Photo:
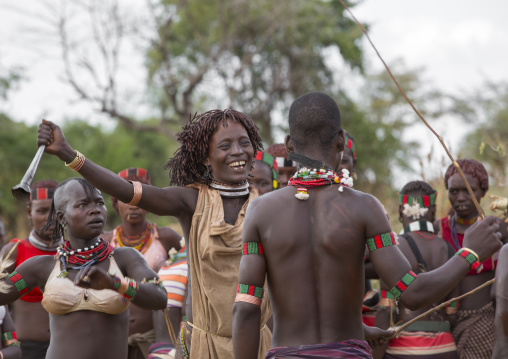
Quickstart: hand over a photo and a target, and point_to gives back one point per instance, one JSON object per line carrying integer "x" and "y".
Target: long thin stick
{"x": 442, "y": 305}
{"x": 477, "y": 205}
{"x": 10, "y": 252}
{"x": 170, "y": 327}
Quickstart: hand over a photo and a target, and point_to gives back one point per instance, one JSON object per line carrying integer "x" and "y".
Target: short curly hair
{"x": 187, "y": 164}
{"x": 472, "y": 168}
{"x": 417, "y": 186}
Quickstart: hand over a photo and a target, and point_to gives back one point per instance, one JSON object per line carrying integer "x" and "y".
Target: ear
{"x": 289, "y": 144}
{"x": 60, "y": 217}
{"x": 341, "y": 142}
{"x": 29, "y": 211}
{"x": 401, "y": 216}
{"x": 354, "y": 165}
{"x": 114, "y": 203}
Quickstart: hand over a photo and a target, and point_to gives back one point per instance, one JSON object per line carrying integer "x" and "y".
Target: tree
{"x": 486, "y": 109}
{"x": 200, "y": 55}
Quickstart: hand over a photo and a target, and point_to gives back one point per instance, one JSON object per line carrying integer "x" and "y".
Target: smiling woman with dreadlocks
{"x": 209, "y": 198}
{"x": 90, "y": 285}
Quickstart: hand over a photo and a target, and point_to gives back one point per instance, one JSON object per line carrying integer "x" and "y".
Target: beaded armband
{"x": 250, "y": 294}
{"x": 387, "y": 301}
{"x": 10, "y": 338}
{"x": 402, "y": 285}
{"x": 470, "y": 257}
{"x": 380, "y": 241}
{"x": 253, "y": 248}
{"x": 452, "y": 308}
{"x": 19, "y": 283}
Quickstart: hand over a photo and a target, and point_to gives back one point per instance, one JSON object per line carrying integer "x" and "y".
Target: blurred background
{"x": 122, "y": 77}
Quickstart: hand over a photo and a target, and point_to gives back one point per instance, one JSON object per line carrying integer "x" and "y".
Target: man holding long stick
{"x": 313, "y": 255}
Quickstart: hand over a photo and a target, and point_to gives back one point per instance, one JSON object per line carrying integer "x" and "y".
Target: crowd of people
{"x": 274, "y": 262}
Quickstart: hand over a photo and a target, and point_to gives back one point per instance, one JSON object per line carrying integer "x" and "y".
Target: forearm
{"x": 150, "y": 296}
{"x": 11, "y": 352}
{"x": 435, "y": 284}
{"x": 246, "y": 331}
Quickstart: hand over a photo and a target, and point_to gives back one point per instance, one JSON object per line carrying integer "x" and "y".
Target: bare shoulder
{"x": 166, "y": 232}
{"x": 503, "y": 253}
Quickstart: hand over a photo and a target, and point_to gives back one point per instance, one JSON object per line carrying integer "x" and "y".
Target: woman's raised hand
{"x": 53, "y": 138}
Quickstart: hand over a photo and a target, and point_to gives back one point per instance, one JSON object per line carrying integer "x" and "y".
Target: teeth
{"x": 236, "y": 164}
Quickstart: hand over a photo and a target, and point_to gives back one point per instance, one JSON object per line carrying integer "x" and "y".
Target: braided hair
{"x": 187, "y": 165}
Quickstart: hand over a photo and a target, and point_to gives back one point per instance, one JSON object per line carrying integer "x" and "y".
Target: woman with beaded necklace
{"x": 209, "y": 200}
{"x": 153, "y": 243}
{"x": 89, "y": 287}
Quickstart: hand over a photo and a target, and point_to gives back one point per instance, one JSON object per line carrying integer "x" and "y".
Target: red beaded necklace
{"x": 82, "y": 258}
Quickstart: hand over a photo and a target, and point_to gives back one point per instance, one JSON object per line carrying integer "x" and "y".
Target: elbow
{"x": 413, "y": 301}
{"x": 245, "y": 312}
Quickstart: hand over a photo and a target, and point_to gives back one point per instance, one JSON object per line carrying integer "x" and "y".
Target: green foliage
{"x": 486, "y": 109}
{"x": 255, "y": 55}
{"x": 116, "y": 150}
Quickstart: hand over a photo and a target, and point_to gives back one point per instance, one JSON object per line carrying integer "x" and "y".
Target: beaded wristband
{"x": 10, "y": 338}
{"x": 77, "y": 162}
{"x": 470, "y": 256}
{"x": 138, "y": 192}
{"x": 387, "y": 300}
{"x": 452, "y": 308}
{"x": 253, "y": 248}
{"x": 19, "y": 283}
{"x": 126, "y": 286}
{"x": 380, "y": 241}
{"x": 184, "y": 348}
{"x": 402, "y": 285}
{"x": 249, "y": 294}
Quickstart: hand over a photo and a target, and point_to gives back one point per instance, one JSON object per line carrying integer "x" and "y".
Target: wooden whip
{"x": 477, "y": 205}
{"x": 10, "y": 252}
{"x": 435, "y": 309}
{"x": 171, "y": 330}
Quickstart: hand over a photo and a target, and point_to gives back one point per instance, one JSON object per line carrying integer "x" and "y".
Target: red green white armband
{"x": 471, "y": 257}
{"x": 253, "y": 248}
{"x": 381, "y": 240}
{"x": 19, "y": 283}
{"x": 249, "y": 294}
{"x": 403, "y": 284}
{"x": 126, "y": 286}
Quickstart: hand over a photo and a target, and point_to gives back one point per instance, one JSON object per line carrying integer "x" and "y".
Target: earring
{"x": 64, "y": 225}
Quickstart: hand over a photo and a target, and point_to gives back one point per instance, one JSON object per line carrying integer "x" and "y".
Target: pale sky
{"x": 459, "y": 43}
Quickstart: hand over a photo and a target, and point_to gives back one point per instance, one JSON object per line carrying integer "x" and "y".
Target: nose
{"x": 463, "y": 196}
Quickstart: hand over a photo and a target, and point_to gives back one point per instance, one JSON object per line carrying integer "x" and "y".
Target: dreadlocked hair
{"x": 58, "y": 232}
{"x": 472, "y": 168}
{"x": 421, "y": 187}
{"x": 187, "y": 165}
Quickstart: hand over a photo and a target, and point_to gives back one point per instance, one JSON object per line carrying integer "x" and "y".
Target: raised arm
{"x": 501, "y": 318}
{"x": 171, "y": 201}
{"x": 247, "y": 307}
{"x": 483, "y": 239}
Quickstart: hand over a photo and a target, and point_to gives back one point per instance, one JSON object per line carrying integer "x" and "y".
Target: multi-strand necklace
{"x": 306, "y": 178}
{"x": 141, "y": 242}
{"x": 229, "y": 190}
{"x": 465, "y": 222}
{"x": 82, "y": 258}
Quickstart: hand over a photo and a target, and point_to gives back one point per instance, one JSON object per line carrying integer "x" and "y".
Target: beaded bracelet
{"x": 77, "y": 162}
{"x": 470, "y": 256}
{"x": 126, "y": 286}
{"x": 387, "y": 300}
{"x": 184, "y": 348}
{"x": 138, "y": 192}
{"x": 452, "y": 308}
{"x": 9, "y": 339}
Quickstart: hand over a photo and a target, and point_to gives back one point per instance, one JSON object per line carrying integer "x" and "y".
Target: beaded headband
{"x": 351, "y": 145}
{"x": 41, "y": 193}
{"x": 136, "y": 172}
{"x": 270, "y": 161}
{"x": 423, "y": 201}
